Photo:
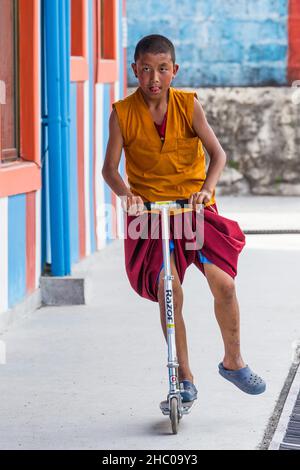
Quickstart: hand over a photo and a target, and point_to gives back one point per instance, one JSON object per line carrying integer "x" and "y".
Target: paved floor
{"x": 92, "y": 376}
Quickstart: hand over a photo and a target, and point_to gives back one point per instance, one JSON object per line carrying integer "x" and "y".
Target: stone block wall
{"x": 218, "y": 43}
{"x": 259, "y": 129}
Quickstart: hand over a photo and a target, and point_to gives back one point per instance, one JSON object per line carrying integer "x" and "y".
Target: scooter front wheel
{"x": 174, "y": 415}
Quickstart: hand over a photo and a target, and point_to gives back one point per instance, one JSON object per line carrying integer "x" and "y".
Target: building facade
{"x": 62, "y": 66}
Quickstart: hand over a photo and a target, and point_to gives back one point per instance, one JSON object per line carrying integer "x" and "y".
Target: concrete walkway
{"x": 92, "y": 376}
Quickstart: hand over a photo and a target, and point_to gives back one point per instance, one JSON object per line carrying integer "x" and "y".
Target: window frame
{"x": 12, "y": 153}
{"x": 79, "y": 64}
{"x": 106, "y": 69}
{"x": 24, "y": 175}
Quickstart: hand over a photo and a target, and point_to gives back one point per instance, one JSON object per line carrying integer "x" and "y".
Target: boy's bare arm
{"x": 131, "y": 203}
{"x": 214, "y": 149}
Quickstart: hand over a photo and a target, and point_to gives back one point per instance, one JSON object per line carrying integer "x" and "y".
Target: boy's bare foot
{"x": 187, "y": 376}
{"x": 233, "y": 364}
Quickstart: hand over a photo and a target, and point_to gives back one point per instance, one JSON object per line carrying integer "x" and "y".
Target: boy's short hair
{"x": 155, "y": 44}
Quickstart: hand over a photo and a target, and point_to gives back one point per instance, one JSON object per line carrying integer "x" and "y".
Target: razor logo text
{"x": 169, "y": 305}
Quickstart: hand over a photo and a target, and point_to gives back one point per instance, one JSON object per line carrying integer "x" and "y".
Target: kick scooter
{"x": 173, "y": 406}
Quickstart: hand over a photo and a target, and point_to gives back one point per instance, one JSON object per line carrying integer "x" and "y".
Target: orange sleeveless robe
{"x": 156, "y": 170}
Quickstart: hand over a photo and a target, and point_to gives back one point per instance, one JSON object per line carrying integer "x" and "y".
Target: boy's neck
{"x": 158, "y": 102}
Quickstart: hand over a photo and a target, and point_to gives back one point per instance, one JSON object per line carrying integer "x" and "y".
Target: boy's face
{"x": 155, "y": 73}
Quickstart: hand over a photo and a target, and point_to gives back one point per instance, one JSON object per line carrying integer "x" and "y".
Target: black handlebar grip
{"x": 180, "y": 202}
{"x": 147, "y": 205}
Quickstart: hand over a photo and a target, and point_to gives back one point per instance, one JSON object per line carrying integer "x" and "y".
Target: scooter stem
{"x": 169, "y": 304}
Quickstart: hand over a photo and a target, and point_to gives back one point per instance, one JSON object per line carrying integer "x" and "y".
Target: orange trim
{"x": 107, "y": 71}
{"x": 0, "y": 133}
{"x": 19, "y": 177}
{"x": 294, "y": 41}
{"x": 107, "y": 66}
{"x": 79, "y": 69}
{"x": 79, "y": 63}
{"x": 29, "y": 79}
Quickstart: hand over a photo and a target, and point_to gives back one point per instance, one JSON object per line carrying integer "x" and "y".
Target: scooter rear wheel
{"x": 174, "y": 415}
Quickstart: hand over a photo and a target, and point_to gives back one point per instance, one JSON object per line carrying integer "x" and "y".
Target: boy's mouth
{"x": 154, "y": 89}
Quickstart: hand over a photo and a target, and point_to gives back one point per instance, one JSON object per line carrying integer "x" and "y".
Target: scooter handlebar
{"x": 178, "y": 202}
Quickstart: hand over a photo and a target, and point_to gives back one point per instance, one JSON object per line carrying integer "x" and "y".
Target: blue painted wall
{"x": 218, "y": 43}
{"x": 16, "y": 249}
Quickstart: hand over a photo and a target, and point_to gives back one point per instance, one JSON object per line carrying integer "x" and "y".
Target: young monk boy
{"x": 163, "y": 131}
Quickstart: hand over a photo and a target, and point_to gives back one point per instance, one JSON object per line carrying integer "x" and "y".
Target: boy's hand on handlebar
{"x": 201, "y": 197}
{"x": 133, "y": 205}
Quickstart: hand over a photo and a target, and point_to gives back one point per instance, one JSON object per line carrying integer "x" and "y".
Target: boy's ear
{"x": 175, "y": 69}
{"x": 133, "y": 66}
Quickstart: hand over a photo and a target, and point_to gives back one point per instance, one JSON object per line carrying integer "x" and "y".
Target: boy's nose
{"x": 154, "y": 77}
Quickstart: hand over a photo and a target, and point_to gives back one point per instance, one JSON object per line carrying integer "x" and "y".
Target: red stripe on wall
{"x": 29, "y": 23}
{"x": 125, "y": 54}
{"x": 30, "y": 241}
{"x": 114, "y": 220}
{"x": 294, "y": 41}
{"x": 80, "y": 162}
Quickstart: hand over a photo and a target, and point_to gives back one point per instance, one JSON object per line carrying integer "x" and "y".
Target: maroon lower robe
{"x": 223, "y": 241}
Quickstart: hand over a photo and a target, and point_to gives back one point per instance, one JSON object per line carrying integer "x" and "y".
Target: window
{"x": 79, "y": 64}
{"x": 9, "y": 115}
{"x": 107, "y": 69}
{"x": 20, "y": 115}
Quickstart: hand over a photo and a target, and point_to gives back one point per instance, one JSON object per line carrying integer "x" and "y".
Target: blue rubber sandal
{"x": 188, "y": 391}
{"x": 245, "y": 379}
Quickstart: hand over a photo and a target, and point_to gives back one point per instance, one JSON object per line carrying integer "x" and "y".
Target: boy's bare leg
{"x": 227, "y": 314}
{"x": 184, "y": 371}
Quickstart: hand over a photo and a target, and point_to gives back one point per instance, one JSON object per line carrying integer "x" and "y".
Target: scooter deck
{"x": 186, "y": 407}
